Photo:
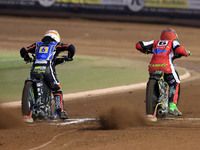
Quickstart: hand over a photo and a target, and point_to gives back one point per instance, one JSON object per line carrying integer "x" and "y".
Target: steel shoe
{"x": 151, "y": 118}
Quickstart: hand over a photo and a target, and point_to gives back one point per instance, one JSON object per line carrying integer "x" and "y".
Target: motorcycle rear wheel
{"x": 27, "y": 98}
{"x": 152, "y": 94}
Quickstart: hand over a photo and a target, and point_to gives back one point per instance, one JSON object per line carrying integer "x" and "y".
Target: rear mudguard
{"x": 31, "y": 79}
{"x": 157, "y": 75}
{"x": 34, "y": 81}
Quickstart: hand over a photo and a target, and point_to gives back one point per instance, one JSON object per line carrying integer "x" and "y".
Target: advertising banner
{"x": 194, "y": 4}
{"x": 189, "y": 8}
{"x": 18, "y": 2}
{"x": 167, "y": 3}
{"x": 92, "y": 2}
{"x": 112, "y": 2}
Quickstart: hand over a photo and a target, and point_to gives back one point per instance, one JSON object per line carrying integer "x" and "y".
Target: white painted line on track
{"x": 74, "y": 121}
{"x": 14, "y": 104}
{"x": 182, "y": 119}
{"x": 105, "y": 91}
{"x": 113, "y": 90}
{"x": 99, "y": 92}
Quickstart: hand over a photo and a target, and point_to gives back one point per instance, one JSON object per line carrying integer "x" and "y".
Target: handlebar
{"x": 29, "y": 59}
{"x": 176, "y": 56}
{"x": 148, "y": 51}
{"x": 66, "y": 58}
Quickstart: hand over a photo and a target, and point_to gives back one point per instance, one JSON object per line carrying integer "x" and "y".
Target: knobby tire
{"x": 152, "y": 94}
{"x": 27, "y": 98}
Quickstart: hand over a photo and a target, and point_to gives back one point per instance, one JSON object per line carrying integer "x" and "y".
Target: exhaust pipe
{"x": 162, "y": 112}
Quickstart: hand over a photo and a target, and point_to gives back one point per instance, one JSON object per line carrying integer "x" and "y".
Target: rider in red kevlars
{"x": 164, "y": 51}
{"x": 46, "y": 52}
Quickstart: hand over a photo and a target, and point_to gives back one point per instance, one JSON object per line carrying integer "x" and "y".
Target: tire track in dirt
{"x": 52, "y": 140}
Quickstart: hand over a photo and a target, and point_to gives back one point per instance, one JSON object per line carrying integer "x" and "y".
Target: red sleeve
{"x": 138, "y": 46}
{"x": 181, "y": 50}
{"x": 145, "y": 46}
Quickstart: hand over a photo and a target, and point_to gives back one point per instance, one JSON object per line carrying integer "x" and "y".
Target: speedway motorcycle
{"x": 157, "y": 95}
{"x": 37, "y": 98}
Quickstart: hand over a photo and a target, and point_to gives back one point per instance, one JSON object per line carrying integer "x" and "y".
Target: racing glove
{"x": 27, "y": 58}
{"x": 67, "y": 58}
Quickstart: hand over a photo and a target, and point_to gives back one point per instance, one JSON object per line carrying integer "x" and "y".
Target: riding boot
{"x": 62, "y": 114}
{"x": 173, "y": 110}
{"x": 59, "y": 104}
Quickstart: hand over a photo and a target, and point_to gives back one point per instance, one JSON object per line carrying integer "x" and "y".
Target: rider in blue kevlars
{"x": 46, "y": 52}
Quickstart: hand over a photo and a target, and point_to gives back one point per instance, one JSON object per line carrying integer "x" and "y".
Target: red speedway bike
{"x": 157, "y": 90}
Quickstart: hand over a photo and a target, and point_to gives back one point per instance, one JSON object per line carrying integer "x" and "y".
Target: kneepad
{"x": 55, "y": 87}
{"x": 169, "y": 78}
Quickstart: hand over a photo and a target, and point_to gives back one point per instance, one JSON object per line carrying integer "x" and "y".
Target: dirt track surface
{"x": 124, "y": 126}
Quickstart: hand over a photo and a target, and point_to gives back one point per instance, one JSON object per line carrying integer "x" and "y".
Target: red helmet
{"x": 169, "y": 34}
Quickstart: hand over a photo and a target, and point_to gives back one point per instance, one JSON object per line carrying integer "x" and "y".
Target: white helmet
{"x": 53, "y": 34}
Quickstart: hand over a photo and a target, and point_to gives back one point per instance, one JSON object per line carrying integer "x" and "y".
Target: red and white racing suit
{"x": 163, "y": 52}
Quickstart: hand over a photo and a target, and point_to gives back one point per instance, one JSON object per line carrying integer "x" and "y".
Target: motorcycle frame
{"x": 38, "y": 96}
